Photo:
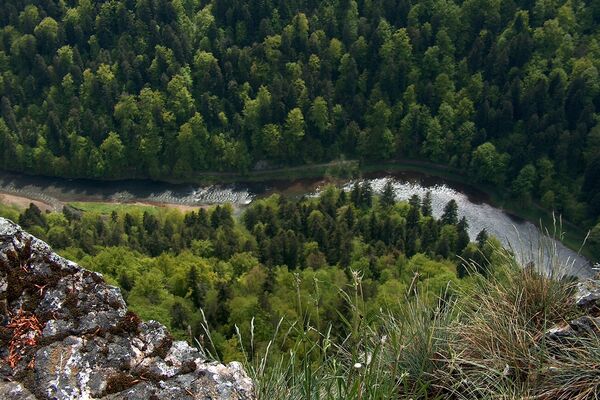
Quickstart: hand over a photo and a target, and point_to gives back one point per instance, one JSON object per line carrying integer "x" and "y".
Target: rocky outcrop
{"x": 66, "y": 334}
{"x": 588, "y": 294}
{"x": 587, "y": 298}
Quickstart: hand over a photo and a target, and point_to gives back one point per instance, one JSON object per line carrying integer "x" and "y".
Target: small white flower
{"x": 358, "y": 365}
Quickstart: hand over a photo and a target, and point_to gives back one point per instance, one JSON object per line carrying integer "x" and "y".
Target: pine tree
{"x": 450, "y": 216}
{"x": 482, "y": 238}
{"x": 197, "y": 290}
{"x": 463, "y": 235}
{"x": 388, "y": 197}
{"x": 426, "y": 208}
{"x": 366, "y": 195}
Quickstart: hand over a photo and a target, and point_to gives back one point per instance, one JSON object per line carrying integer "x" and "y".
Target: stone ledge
{"x": 89, "y": 346}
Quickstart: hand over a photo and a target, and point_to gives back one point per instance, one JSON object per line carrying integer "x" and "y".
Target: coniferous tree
{"x": 388, "y": 197}
{"x": 282, "y": 86}
{"x": 463, "y": 235}
{"x": 426, "y": 207}
{"x": 450, "y": 215}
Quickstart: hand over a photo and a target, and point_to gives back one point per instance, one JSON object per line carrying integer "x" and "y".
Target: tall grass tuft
{"x": 498, "y": 345}
{"x": 573, "y": 371}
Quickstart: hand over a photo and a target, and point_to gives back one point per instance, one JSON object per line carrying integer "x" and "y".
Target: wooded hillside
{"x": 507, "y": 91}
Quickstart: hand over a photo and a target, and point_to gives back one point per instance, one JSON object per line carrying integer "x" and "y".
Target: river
{"x": 523, "y": 237}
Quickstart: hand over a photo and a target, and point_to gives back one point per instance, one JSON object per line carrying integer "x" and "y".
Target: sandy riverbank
{"x": 23, "y": 202}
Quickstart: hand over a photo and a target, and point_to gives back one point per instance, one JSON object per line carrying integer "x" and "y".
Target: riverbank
{"x": 102, "y": 207}
{"x": 19, "y": 203}
{"x": 567, "y": 232}
{"x": 571, "y": 235}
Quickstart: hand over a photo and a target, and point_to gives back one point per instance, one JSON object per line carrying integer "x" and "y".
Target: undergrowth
{"x": 484, "y": 340}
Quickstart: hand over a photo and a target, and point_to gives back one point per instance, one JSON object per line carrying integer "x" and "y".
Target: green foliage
{"x": 486, "y": 338}
{"x": 87, "y": 90}
{"x": 283, "y": 259}
{"x": 10, "y": 212}
{"x": 487, "y": 165}
{"x": 107, "y": 208}
{"x": 524, "y": 184}
{"x": 345, "y": 295}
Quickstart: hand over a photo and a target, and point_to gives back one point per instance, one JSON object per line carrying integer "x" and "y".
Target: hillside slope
{"x": 507, "y": 91}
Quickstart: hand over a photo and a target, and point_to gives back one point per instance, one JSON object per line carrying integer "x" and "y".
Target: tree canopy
{"x": 292, "y": 259}
{"x": 164, "y": 89}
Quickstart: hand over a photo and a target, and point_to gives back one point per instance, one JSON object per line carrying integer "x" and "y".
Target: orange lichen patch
{"x": 26, "y": 331}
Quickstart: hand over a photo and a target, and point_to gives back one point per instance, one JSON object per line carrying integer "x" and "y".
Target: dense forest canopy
{"x": 297, "y": 260}
{"x": 507, "y": 91}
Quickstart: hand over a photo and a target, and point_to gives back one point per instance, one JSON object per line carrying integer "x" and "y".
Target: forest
{"x": 294, "y": 259}
{"x": 507, "y": 91}
{"x": 345, "y": 295}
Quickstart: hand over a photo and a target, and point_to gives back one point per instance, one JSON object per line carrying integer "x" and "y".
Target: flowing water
{"x": 523, "y": 237}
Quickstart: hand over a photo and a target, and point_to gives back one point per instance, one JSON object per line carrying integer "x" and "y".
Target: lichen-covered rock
{"x": 65, "y": 334}
{"x": 14, "y": 391}
{"x": 587, "y": 298}
{"x": 588, "y": 293}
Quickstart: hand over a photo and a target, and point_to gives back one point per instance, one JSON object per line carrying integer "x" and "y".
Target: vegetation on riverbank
{"x": 281, "y": 259}
{"x": 577, "y": 238}
{"x": 108, "y": 208}
{"x": 345, "y": 296}
{"x": 505, "y": 92}
{"x": 570, "y": 234}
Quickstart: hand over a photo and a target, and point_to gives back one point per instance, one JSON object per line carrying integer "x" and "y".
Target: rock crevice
{"x": 66, "y": 334}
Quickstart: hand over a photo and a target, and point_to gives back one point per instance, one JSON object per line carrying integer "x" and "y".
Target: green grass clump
{"x": 107, "y": 208}
{"x": 10, "y": 211}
